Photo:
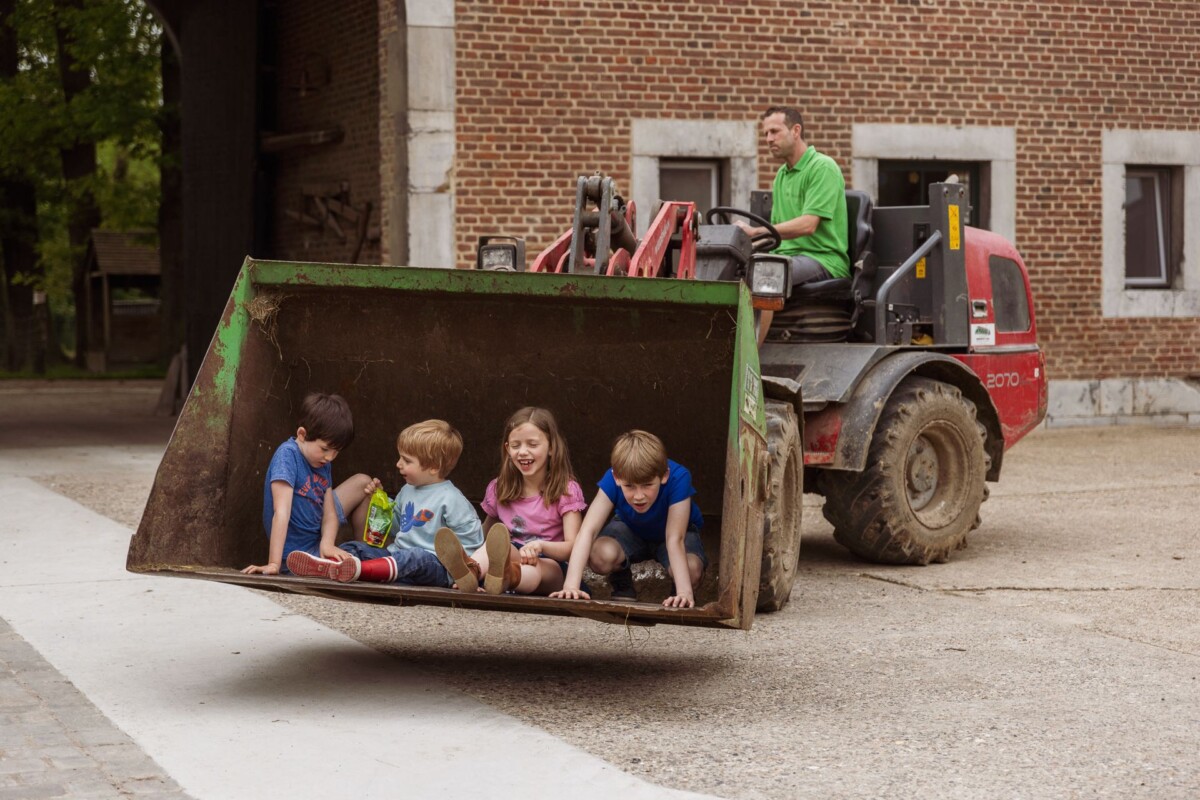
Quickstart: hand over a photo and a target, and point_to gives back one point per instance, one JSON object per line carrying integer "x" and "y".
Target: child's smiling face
{"x": 528, "y": 449}
{"x": 641, "y": 495}
{"x": 414, "y": 473}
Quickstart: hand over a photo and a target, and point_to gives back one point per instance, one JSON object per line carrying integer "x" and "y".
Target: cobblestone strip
{"x": 55, "y": 743}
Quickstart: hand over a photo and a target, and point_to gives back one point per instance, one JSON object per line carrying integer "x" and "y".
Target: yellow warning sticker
{"x": 955, "y": 229}
{"x": 921, "y": 268}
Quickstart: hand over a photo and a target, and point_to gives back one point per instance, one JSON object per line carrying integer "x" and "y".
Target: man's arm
{"x": 804, "y": 225}
{"x": 597, "y": 515}
{"x": 677, "y": 520}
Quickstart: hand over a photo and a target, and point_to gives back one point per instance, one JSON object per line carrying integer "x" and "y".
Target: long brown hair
{"x": 510, "y": 483}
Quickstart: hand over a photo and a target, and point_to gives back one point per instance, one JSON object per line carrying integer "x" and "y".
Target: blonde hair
{"x": 434, "y": 442}
{"x": 510, "y": 483}
{"x": 639, "y": 457}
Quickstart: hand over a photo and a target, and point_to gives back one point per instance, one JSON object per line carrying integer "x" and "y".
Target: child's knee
{"x": 606, "y": 555}
{"x": 359, "y": 481}
{"x": 353, "y": 491}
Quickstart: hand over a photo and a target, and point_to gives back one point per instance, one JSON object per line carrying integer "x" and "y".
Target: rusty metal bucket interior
{"x": 403, "y": 344}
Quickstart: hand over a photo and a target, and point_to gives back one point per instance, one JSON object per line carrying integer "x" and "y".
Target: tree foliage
{"x": 114, "y": 44}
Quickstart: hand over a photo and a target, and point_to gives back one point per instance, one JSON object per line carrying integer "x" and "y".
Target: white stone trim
{"x": 1166, "y": 148}
{"x": 1123, "y": 401}
{"x": 653, "y": 139}
{"x": 430, "y": 13}
{"x": 430, "y": 139}
{"x": 871, "y": 142}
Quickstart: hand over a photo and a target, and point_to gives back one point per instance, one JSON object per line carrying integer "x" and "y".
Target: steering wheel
{"x": 764, "y": 242}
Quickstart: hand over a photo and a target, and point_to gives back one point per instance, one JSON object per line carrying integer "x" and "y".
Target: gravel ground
{"x": 1057, "y": 656}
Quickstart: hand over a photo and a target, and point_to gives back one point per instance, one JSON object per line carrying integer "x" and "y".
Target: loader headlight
{"x": 770, "y": 280}
{"x": 500, "y": 253}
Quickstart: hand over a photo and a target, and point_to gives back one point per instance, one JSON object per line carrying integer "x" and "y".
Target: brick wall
{"x": 546, "y": 92}
{"x": 390, "y": 28}
{"x": 339, "y": 40}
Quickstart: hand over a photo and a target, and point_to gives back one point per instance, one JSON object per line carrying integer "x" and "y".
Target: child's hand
{"x": 571, "y": 594}
{"x": 333, "y": 553}
{"x": 268, "y": 569}
{"x": 371, "y": 486}
{"x": 531, "y": 552}
{"x": 679, "y": 601}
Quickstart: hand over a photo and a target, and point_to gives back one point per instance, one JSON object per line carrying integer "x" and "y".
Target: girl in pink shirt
{"x": 534, "y": 509}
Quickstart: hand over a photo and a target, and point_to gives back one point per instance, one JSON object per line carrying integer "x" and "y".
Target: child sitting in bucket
{"x": 295, "y": 514}
{"x": 534, "y": 509}
{"x": 428, "y": 502}
{"x": 653, "y": 517}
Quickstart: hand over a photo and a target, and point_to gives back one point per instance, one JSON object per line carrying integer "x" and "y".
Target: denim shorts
{"x": 638, "y": 549}
{"x": 315, "y": 548}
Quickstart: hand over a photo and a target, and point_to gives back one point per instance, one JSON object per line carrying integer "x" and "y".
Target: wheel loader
{"x": 895, "y": 394}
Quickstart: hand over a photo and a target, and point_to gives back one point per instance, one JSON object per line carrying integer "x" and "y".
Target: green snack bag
{"x": 379, "y": 519}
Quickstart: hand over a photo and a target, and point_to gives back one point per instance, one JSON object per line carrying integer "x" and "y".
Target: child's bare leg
{"x": 481, "y": 558}
{"x": 607, "y": 556}
{"x": 352, "y": 494}
{"x": 550, "y": 578}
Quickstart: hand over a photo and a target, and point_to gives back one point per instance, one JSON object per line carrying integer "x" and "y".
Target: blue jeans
{"x": 638, "y": 549}
{"x": 414, "y": 566}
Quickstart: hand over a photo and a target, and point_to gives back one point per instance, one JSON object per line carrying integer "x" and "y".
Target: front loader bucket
{"x": 404, "y": 344}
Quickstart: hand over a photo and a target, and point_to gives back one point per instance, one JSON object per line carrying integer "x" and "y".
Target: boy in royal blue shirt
{"x": 653, "y": 517}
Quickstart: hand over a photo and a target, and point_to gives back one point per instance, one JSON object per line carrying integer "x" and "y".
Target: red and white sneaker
{"x": 308, "y": 566}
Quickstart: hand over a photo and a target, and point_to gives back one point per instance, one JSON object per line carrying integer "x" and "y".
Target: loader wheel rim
{"x": 922, "y": 474}
{"x": 936, "y": 457}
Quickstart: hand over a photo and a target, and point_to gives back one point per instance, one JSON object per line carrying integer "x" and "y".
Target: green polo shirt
{"x": 814, "y": 186}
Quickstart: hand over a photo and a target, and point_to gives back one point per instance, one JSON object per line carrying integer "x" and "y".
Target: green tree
{"x": 21, "y": 125}
{"x": 79, "y": 122}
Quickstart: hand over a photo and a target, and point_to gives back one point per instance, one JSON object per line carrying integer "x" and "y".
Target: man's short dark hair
{"x": 791, "y": 116}
{"x": 327, "y": 416}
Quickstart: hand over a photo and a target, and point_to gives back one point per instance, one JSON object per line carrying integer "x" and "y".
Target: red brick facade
{"x": 547, "y": 90}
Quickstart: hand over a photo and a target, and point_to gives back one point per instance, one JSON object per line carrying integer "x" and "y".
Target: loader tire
{"x": 923, "y": 484}
{"x": 784, "y": 507}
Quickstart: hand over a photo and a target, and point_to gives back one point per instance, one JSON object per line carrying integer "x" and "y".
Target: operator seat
{"x": 825, "y": 311}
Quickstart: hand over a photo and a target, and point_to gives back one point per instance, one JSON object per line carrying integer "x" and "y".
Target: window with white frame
{"x": 1151, "y": 202}
{"x": 700, "y": 181}
{"x": 906, "y": 183}
{"x": 890, "y": 158}
{"x": 680, "y": 148}
{"x": 1152, "y": 243}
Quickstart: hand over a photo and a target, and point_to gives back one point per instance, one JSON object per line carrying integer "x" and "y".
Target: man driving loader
{"x": 808, "y": 206}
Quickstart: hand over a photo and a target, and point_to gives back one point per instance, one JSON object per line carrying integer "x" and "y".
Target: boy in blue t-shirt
{"x": 295, "y": 514}
{"x": 654, "y": 518}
